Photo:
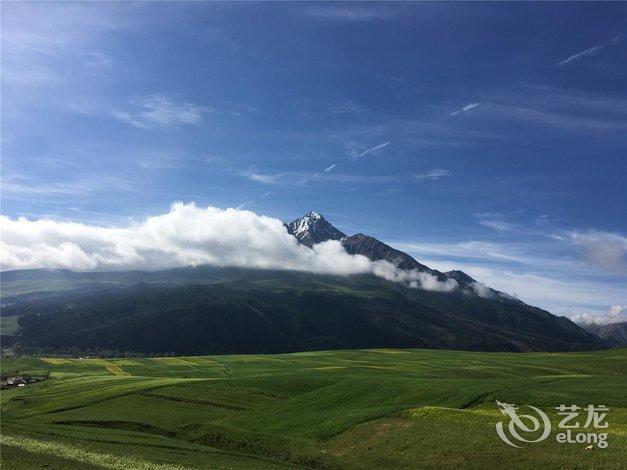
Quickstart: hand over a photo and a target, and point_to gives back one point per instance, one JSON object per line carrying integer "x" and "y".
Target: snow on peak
{"x": 302, "y": 227}
{"x": 312, "y": 228}
{"x": 305, "y": 223}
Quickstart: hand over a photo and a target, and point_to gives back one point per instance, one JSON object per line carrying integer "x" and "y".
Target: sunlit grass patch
{"x": 80, "y": 455}
{"x": 56, "y": 361}
{"x": 116, "y": 370}
{"x": 173, "y": 361}
{"x": 126, "y": 362}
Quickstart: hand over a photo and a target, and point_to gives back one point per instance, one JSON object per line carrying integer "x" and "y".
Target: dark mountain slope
{"x": 460, "y": 276}
{"x": 280, "y": 312}
{"x": 375, "y": 250}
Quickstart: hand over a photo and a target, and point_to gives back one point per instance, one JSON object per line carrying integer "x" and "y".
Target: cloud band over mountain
{"x": 188, "y": 235}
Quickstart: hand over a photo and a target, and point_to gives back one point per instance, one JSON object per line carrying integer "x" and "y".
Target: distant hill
{"x": 614, "y": 333}
{"x": 210, "y": 310}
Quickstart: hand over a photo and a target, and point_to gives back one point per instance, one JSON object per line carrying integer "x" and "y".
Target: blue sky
{"x": 490, "y": 137}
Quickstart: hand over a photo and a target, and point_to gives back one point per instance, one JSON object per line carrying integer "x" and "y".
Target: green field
{"x": 340, "y": 409}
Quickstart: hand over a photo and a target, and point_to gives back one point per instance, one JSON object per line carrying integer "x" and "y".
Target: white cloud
{"x": 555, "y": 292}
{"x": 481, "y": 290}
{"x": 543, "y": 273}
{"x": 616, "y": 311}
{"x": 329, "y": 168}
{"x": 187, "y": 236}
{"x": 465, "y": 109}
{"x": 161, "y": 111}
{"x": 615, "y": 314}
{"x": 433, "y": 174}
{"x": 601, "y": 249}
{"x": 429, "y": 282}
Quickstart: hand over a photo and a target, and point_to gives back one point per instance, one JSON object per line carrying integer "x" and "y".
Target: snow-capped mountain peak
{"x": 313, "y": 228}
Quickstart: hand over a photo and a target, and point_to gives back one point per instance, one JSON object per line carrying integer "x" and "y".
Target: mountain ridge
{"x": 208, "y": 309}
{"x": 613, "y": 333}
{"x": 314, "y": 226}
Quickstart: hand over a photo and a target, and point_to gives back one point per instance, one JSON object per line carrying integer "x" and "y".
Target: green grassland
{"x": 341, "y": 409}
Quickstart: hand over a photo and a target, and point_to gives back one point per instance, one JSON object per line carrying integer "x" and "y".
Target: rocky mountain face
{"x": 375, "y": 250}
{"x": 613, "y": 333}
{"x": 314, "y": 228}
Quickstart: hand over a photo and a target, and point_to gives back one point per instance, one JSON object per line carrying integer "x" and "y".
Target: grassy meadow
{"x": 340, "y": 409}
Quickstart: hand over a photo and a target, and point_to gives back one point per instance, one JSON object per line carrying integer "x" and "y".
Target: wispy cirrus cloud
{"x": 263, "y": 178}
{"x": 433, "y": 174}
{"x": 29, "y": 188}
{"x": 495, "y": 221}
{"x": 329, "y": 168}
{"x": 464, "y": 109}
{"x": 587, "y": 53}
{"x": 496, "y": 224}
{"x": 471, "y": 250}
{"x": 557, "y": 118}
{"x": 560, "y": 108}
{"x": 97, "y": 59}
{"x": 300, "y": 178}
{"x": 243, "y": 204}
{"x": 52, "y": 45}
{"x": 354, "y": 13}
{"x": 161, "y": 111}
{"x": 355, "y": 153}
{"x": 162, "y": 164}
{"x": 347, "y": 107}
